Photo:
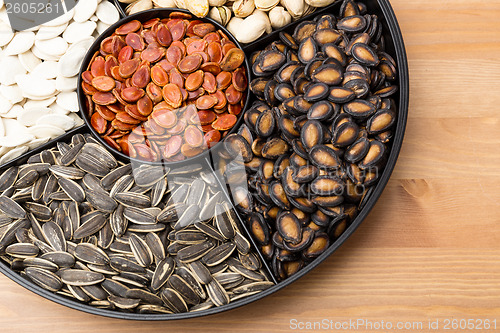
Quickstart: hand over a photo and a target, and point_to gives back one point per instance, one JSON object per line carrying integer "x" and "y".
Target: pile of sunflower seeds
{"x": 144, "y": 238}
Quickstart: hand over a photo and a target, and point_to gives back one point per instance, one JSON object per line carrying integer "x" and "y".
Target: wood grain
{"x": 430, "y": 248}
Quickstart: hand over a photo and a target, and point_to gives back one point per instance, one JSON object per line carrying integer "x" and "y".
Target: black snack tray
{"x": 394, "y": 46}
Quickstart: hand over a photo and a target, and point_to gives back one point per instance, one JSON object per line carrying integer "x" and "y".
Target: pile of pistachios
{"x": 247, "y": 20}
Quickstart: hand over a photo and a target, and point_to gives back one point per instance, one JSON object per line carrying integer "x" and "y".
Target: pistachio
{"x": 199, "y": 8}
{"x": 319, "y": 3}
{"x": 279, "y": 17}
{"x": 180, "y": 4}
{"x": 243, "y": 8}
{"x": 266, "y": 5}
{"x": 138, "y": 6}
{"x": 234, "y": 25}
{"x": 253, "y": 27}
{"x": 164, "y": 3}
{"x": 296, "y": 8}
{"x": 265, "y": 19}
{"x": 216, "y": 3}
{"x": 220, "y": 14}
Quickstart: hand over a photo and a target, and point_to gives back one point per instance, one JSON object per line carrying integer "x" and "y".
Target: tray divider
{"x": 247, "y": 234}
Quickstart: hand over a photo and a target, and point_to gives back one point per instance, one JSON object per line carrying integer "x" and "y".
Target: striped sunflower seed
{"x": 218, "y": 254}
{"x": 138, "y": 216}
{"x": 95, "y": 292}
{"x": 67, "y": 172}
{"x": 123, "y": 264}
{"x": 200, "y": 272}
{"x": 54, "y": 236}
{"x": 11, "y": 208}
{"x": 39, "y": 187}
{"x": 118, "y": 222}
{"x": 92, "y": 165}
{"x": 44, "y": 278}
{"x": 194, "y": 252}
{"x": 41, "y": 212}
{"x": 26, "y": 180}
{"x": 101, "y": 201}
{"x": 91, "y": 223}
{"x": 112, "y": 177}
{"x": 40, "y": 263}
{"x": 79, "y": 294}
{"x": 61, "y": 259}
{"x": 174, "y": 300}
{"x": 8, "y": 178}
{"x": 135, "y": 200}
{"x": 123, "y": 184}
{"x": 217, "y": 293}
{"x": 69, "y": 156}
{"x": 188, "y": 276}
{"x": 72, "y": 189}
{"x": 124, "y": 303}
{"x": 164, "y": 270}
{"x": 90, "y": 253}
{"x": 22, "y": 250}
{"x": 148, "y": 175}
{"x": 141, "y": 251}
{"x": 116, "y": 288}
{"x": 145, "y": 296}
{"x": 156, "y": 246}
{"x": 98, "y": 151}
{"x": 51, "y": 187}
{"x": 184, "y": 289}
{"x": 77, "y": 277}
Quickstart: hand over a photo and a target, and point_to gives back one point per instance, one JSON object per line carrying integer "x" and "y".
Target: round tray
{"x": 394, "y": 46}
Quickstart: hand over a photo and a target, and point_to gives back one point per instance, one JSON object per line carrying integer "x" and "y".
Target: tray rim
{"x": 403, "y": 75}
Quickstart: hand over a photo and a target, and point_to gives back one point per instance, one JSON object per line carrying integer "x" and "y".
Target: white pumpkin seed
{"x": 13, "y": 112}
{"x": 48, "y": 32}
{"x": 101, "y": 27}
{"x": 107, "y": 13}
{"x": 71, "y": 61}
{"x": 63, "y": 122}
{"x": 42, "y": 131}
{"x": 45, "y": 70}
{"x": 14, "y": 153}
{"x": 84, "y": 10}
{"x": 14, "y": 128}
{"x": 42, "y": 55}
{"x": 5, "y": 105}
{"x": 11, "y": 67}
{"x": 28, "y": 117}
{"x": 37, "y": 142}
{"x": 54, "y": 46}
{"x": 65, "y": 18}
{"x": 68, "y": 101}
{"x": 29, "y": 60}
{"x": 78, "y": 121}
{"x": 22, "y": 42}
{"x": 6, "y": 34}
{"x": 76, "y": 31}
{"x": 13, "y": 93}
{"x": 39, "y": 104}
{"x": 67, "y": 84}
{"x": 56, "y": 109}
{"x": 34, "y": 86}
{"x": 15, "y": 141}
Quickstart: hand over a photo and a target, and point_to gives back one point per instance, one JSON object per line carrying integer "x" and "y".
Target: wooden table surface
{"x": 429, "y": 250}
